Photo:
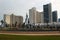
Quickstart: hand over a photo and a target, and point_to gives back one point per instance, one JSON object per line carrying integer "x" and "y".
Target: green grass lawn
{"x": 19, "y": 37}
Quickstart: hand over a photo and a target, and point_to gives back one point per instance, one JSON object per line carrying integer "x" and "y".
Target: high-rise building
{"x": 47, "y": 13}
{"x": 13, "y": 19}
{"x": 32, "y": 15}
{"x": 35, "y": 17}
{"x": 39, "y": 17}
{"x": 54, "y": 16}
{"x": 59, "y": 20}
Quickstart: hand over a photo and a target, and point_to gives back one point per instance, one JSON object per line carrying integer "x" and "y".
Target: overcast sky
{"x": 56, "y": 6}
{"x": 21, "y": 7}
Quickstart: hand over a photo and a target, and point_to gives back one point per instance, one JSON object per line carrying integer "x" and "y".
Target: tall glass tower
{"x": 47, "y": 13}
{"x": 54, "y": 16}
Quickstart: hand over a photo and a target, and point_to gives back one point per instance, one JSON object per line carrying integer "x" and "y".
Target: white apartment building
{"x": 35, "y": 17}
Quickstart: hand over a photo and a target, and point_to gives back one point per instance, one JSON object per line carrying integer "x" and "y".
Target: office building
{"x": 32, "y": 15}
{"x": 47, "y": 13}
{"x": 54, "y": 16}
{"x": 59, "y": 20}
{"x": 39, "y": 17}
{"x": 35, "y": 17}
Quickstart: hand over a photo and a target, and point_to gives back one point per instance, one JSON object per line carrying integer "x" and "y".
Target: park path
{"x": 30, "y": 33}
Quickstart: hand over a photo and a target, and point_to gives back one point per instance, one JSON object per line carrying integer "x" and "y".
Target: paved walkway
{"x": 30, "y": 33}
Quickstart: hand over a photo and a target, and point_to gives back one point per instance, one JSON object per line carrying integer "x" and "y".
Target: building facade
{"x": 47, "y": 13}
{"x": 32, "y": 15}
{"x": 39, "y": 17}
{"x": 13, "y": 20}
{"x": 54, "y": 16}
{"x": 35, "y": 17}
{"x": 59, "y": 20}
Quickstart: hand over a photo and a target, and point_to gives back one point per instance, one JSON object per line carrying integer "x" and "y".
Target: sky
{"x": 21, "y": 7}
{"x": 56, "y": 6}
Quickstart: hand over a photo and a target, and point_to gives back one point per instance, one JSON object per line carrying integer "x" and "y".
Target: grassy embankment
{"x": 20, "y": 37}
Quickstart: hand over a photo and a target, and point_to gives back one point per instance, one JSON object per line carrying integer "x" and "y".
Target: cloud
{"x": 56, "y": 6}
{"x": 20, "y": 7}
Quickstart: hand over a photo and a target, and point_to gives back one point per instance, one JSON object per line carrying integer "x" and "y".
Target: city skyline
{"x": 20, "y": 7}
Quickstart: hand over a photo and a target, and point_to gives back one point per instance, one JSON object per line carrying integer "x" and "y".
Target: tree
{"x": 2, "y": 24}
{"x": 15, "y": 24}
{"x": 23, "y": 25}
{"x": 2, "y": 21}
